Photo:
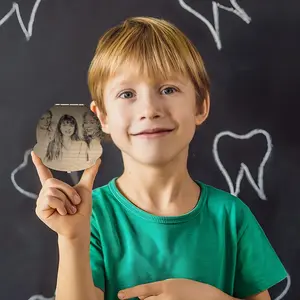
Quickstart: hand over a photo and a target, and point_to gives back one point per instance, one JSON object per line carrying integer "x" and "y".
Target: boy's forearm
{"x": 74, "y": 279}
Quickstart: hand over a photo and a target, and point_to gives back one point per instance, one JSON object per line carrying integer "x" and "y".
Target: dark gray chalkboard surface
{"x": 249, "y": 146}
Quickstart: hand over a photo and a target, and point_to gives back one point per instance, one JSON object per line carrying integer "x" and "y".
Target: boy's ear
{"x": 202, "y": 111}
{"x": 101, "y": 116}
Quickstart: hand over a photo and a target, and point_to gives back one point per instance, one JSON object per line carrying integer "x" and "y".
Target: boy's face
{"x": 150, "y": 121}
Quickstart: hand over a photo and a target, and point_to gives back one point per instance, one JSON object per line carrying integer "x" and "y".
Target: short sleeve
{"x": 96, "y": 255}
{"x": 258, "y": 267}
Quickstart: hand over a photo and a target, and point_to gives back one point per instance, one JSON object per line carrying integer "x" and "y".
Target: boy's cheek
{"x": 119, "y": 134}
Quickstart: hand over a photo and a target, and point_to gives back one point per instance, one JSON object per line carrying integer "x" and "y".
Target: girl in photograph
{"x": 65, "y": 140}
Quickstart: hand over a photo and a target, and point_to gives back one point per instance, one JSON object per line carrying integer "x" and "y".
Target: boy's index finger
{"x": 43, "y": 172}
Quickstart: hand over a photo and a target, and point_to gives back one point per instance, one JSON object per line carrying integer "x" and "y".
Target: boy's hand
{"x": 174, "y": 289}
{"x": 65, "y": 209}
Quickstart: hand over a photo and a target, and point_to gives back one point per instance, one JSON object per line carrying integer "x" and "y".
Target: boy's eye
{"x": 129, "y": 94}
{"x": 168, "y": 90}
{"x": 126, "y": 95}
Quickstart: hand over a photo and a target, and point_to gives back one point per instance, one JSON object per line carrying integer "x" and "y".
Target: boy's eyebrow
{"x": 119, "y": 83}
{"x": 179, "y": 80}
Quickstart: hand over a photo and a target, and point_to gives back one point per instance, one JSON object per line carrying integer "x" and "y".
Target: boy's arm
{"x": 74, "y": 280}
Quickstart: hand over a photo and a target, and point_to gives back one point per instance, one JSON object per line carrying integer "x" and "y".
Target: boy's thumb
{"x": 88, "y": 176}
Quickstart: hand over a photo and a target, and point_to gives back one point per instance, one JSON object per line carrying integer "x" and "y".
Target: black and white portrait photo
{"x": 68, "y": 138}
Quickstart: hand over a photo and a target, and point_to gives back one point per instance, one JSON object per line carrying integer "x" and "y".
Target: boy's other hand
{"x": 63, "y": 208}
{"x": 174, "y": 289}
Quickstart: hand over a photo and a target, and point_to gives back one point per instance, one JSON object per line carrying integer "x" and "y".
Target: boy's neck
{"x": 164, "y": 190}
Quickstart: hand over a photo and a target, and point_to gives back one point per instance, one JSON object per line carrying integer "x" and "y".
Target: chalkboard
{"x": 249, "y": 146}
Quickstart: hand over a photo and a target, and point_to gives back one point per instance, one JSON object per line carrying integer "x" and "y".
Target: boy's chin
{"x": 154, "y": 160}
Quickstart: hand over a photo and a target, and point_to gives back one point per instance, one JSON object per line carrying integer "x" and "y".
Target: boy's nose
{"x": 151, "y": 114}
{"x": 151, "y": 108}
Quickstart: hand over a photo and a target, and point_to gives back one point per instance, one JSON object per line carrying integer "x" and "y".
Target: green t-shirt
{"x": 219, "y": 243}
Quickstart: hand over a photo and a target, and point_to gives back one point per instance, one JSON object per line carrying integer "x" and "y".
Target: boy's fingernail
{"x": 120, "y": 295}
{"x": 77, "y": 199}
{"x": 73, "y": 209}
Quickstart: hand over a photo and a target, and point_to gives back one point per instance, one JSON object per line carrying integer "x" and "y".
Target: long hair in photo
{"x": 55, "y": 146}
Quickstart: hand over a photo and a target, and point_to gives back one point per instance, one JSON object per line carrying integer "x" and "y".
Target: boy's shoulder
{"x": 221, "y": 205}
{"x": 103, "y": 190}
{"x": 220, "y": 198}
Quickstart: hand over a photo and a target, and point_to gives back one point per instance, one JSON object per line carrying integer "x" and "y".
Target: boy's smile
{"x": 153, "y": 132}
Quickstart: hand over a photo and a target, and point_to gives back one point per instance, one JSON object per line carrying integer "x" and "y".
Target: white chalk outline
{"x": 16, "y": 170}
{"x": 215, "y": 30}
{"x": 244, "y": 169}
{"x": 285, "y": 291}
{"x": 16, "y": 9}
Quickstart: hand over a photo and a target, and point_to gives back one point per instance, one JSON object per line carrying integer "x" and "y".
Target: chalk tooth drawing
{"x": 215, "y": 29}
{"x": 16, "y": 9}
{"x": 40, "y": 297}
{"x": 244, "y": 170}
{"x": 16, "y": 170}
{"x": 259, "y": 187}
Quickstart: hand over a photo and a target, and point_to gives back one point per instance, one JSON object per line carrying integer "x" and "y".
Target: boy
{"x": 155, "y": 233}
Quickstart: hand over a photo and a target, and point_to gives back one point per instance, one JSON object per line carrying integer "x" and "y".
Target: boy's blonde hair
{"x": 156, "y": 47}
